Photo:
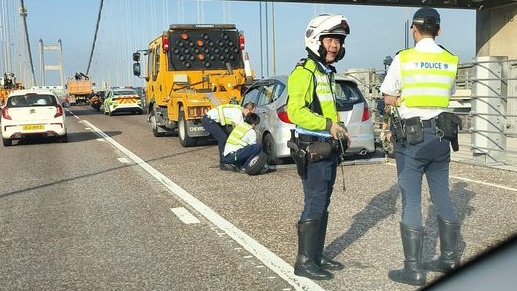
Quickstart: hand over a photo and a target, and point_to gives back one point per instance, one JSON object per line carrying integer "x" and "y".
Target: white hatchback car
{"x": 274, "y": 130}
{"x": 33, "y": 112}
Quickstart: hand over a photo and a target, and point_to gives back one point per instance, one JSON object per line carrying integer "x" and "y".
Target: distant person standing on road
{"x": 312, "y": 106}
{"x": 419, "y": 83}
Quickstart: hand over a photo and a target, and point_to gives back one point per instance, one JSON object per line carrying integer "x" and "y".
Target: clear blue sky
{"x": 376, "y": 31}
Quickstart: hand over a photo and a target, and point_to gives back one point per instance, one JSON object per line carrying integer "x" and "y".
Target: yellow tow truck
{"x": 189, "y": 69}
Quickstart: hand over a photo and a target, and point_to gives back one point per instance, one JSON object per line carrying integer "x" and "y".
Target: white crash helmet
{"x": 325, "y": 24}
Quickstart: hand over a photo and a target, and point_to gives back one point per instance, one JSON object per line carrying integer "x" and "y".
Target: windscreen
{"x": 204, "y": 49}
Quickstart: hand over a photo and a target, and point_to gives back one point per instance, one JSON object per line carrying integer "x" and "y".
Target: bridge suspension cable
{"x": 23, "y": 14}
{"x": 95, "y": 36}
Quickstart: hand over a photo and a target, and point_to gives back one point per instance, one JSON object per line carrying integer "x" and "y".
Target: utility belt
{"x": 311, "y": 149}
{"x": 411, "y": 130}
{"x": 304, "y": 138}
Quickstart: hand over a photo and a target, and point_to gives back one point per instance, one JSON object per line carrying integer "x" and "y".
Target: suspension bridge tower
{"x": 56, "y": 67}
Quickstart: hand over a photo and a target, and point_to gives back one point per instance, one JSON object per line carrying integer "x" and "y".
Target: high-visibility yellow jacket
{"x": 427, "y": 78}
{"x": 301, "y": 89}
{"x": 235, "y": 137}
{"x": 226, "y": 114}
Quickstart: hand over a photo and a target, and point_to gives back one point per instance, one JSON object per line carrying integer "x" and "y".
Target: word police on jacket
{"x": 431, "y": 65}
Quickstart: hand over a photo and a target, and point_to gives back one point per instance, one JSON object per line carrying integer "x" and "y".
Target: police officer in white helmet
{"x": 419, "y": 83}
{"x": 311, "y": 105}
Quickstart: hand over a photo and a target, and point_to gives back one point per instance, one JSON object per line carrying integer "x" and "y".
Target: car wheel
{"x": 63, "y": 138}
{"x": 269, "y": 148}
{"x": 185, "y": 140}
{"x": 257, "y": 165}
{"x": 7, "y": 142}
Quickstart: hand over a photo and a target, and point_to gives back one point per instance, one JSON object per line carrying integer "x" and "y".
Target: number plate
{"x": 33, "y": 127}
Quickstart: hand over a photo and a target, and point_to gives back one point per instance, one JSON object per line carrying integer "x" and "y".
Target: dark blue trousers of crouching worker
{"x": 242, "y": 156}
{"x": 218, "y": 132}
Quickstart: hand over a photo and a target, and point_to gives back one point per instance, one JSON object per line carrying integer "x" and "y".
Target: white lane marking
{"x": 476, "y": 181}
{"x": 123, "y": 160}
{"x": 184, "y": 215}
{"x": 270, "y": 259}
{"x": 484, "y": 183}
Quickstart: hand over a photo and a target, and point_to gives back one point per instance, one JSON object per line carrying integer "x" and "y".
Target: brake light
{"x": 284, "y": 117}
{"x": 59, "y": 111}
{"x": 5, "y": 114}
{"x": 366, "y": 112}
{"x": 241, "y": 41}
{"x": 165, "y": 43}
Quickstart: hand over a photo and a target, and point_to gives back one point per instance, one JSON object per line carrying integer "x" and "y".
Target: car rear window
{"x": 347, "y": 95}
{"x": 30, "y": 100}
{"x": 125, "y": 92}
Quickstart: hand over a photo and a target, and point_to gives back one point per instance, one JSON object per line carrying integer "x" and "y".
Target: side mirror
{"x": 136, "y": 69}
{"x": 136, "y": 57}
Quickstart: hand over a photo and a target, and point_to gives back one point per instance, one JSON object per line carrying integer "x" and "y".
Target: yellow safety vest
{"x": 427, "y": 78}
{"x": 301, "y": 90}
{"x": 235, "y": 137}
{"x": 223, "y": 120}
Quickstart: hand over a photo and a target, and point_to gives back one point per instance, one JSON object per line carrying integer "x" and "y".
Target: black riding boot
{"x": 322, "y": 260}
{"x": 305, "y": 265}
{"x": 449, "y": 259}
{"x": 412, "y": 273}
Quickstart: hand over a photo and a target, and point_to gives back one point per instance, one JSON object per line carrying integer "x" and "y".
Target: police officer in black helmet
{"x": 419, "y": 83}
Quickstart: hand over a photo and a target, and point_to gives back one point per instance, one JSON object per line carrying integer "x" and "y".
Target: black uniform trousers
{"x": 430, "y": 157}
{"x": 318, "y": 187}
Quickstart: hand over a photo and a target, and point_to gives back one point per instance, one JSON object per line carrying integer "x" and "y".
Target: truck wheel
{"x": 185, "y": 140}
{"x": 269, "y": 148}
{"x": 154, "y": 126}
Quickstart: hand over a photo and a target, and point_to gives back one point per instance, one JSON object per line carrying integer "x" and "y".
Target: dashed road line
{"x": 184, "y": 215}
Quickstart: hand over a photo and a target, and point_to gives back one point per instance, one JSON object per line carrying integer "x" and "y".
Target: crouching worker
{"x": 217, "y": 120}
{"x": 241, "y": 145}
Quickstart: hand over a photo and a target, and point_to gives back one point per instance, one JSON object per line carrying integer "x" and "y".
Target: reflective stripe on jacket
{"x": 427, "y": 78}
{"x": 301, "y": 89}
{"x": 223, "y": 120}
{"x": 235, "y": 137}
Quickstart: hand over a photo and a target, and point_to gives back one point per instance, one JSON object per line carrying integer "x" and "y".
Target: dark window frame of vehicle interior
{"x": 494, "y": 269}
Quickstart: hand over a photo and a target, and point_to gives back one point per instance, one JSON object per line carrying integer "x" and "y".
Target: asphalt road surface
{"x": 116, "y": 208}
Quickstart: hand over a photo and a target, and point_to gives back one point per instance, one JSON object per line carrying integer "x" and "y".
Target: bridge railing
{"x": 485, "y": 99}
